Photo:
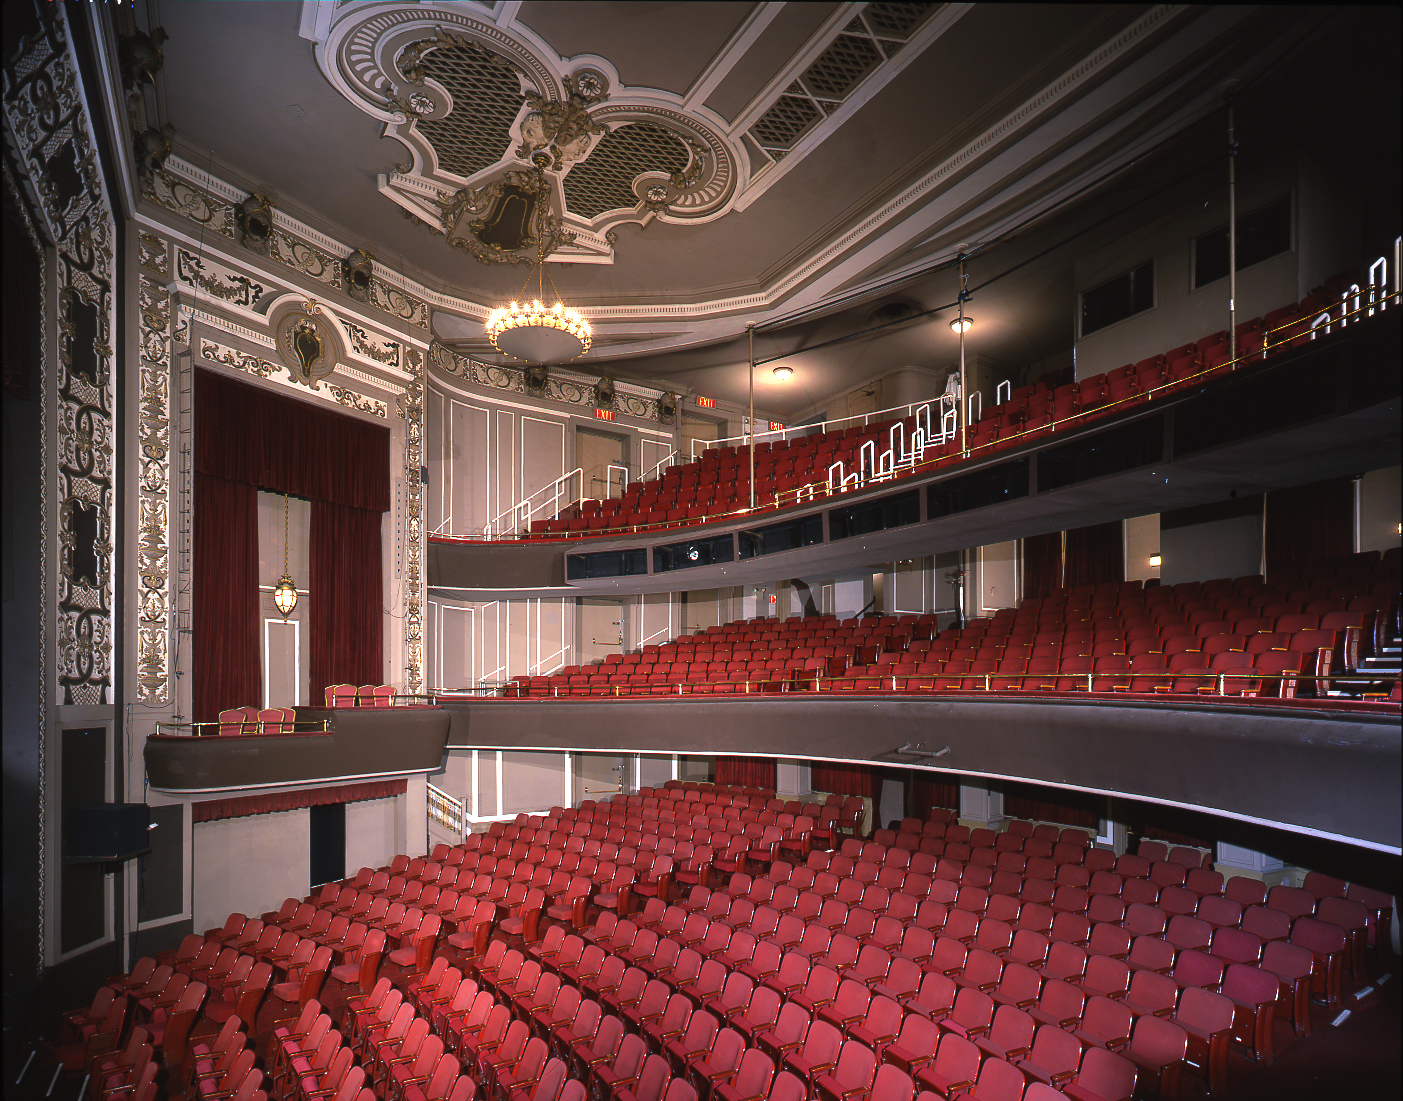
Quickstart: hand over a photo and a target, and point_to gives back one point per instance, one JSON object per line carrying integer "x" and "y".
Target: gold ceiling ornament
{"x": 557, "y": 133}
{"x": 508, "y": 221}
{"x": 535, "y": 331}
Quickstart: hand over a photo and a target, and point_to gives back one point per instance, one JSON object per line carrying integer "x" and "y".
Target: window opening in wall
{"x": 581, "y": 567}
{"x": 1116, "y": 299}
{"x": 790, "y": 535}
{"x": 699, "y": 552}
{"x": 884, "y": 513}
{"x": 1264, "y": 233}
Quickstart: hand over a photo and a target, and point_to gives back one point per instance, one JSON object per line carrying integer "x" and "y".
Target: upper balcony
{"x": 1306, "y": 399}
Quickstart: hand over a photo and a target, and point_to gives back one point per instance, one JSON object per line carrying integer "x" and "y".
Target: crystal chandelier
{"x": 535, "y": 332}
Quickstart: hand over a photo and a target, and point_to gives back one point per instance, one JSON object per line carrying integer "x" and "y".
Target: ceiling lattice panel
{"x": 605, "y": 180}
{"x": 841, "y": 66}
{"x": 895, "y": 20}
{"x": 849, "y": 59}
{"x": 486, "y": 98}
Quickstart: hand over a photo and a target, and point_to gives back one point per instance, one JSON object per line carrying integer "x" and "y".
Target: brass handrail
{"x": 202, "y": 730}
{"x": 758, "y": 686}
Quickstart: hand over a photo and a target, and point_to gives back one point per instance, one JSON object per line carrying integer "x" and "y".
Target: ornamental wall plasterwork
{"x": 210, "y": 293}
{"x": 154, "y": 611}
{"x": 51, "y": 136}
{"x": 473, "y": 102}
{"x": 567, "y": 387}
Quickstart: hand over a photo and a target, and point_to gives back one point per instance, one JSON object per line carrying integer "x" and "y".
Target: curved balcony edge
{"x": 1331, "y": 776}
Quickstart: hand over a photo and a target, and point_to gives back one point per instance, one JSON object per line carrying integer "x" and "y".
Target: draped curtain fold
{"x": 247, "y": 434}
{"x": 247, "y": 439}
{"x": 841, "y": 779}
{"x": 226, "y": 671}
{"x": 751, "y": 772}
{"x": 1039, "y": 804}
{"x": 1307, "y": 522}
{"x": 1095, "y": 555}
{"x": 240, "y": 806}
{"x": 345, "y": 603}
{"x": 929, "y": 791}
{"x": 1042, "y": 564}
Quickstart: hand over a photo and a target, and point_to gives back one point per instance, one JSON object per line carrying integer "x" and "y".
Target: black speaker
{"x": 109, "y": 831}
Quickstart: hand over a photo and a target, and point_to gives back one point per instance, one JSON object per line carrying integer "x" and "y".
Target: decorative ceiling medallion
{"x": 307, "y": 344}
{"x": 509, "y": 221}
{"x": 480, "y": 109}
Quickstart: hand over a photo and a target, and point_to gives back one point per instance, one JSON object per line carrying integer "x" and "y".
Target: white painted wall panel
{"x": 249, "y": 865}
{"x": 370, "y": 833}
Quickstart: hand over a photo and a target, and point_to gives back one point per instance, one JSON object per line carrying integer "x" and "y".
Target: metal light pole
{"x": 750, "y": 433}
{"x": 1232, "y": 230}
{"x": 964, "y": 386}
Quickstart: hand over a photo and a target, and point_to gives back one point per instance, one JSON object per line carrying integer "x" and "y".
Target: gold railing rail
{"x": 247, "y": 726}
{"x": 901, "y": 682}
{"x": 445, "y": 810}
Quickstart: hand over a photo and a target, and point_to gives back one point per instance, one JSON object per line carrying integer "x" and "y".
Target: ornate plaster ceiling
{"x": 728, "y": 163}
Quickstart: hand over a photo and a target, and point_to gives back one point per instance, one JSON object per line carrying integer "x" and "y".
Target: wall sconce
{"x": 783, "y": 373}
{"x": 1154, "y": 561}
{"x": 961, "y": 324}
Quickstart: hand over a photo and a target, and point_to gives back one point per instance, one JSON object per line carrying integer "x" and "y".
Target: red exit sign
{"x": 604, "y": 414}
{"x": 775, "y": 426}
{"x": 706, "y": 403}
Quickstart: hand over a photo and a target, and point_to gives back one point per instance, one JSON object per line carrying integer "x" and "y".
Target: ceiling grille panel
{"x": 841, "y": 66}
{"x": 605, "y": 180}
{"x": 895, "y": 20}
{"x": 783, "y": 124}
{"x": 486, "y": 98}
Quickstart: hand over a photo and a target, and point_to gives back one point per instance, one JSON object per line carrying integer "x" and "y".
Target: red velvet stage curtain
{"x": 1042, "y": 564}
{"x": 343, "y": 589}
{"x": 842, "y": 779}
{"x": 240, "y": 806}
{"x": 1040, "y": 804}
{"x": 225, "y": 620}
{"x": 748, "y": 772}
{"x": 1307, "y": 522}
{"x": 928, "y": 791}
{"x": 247, "y": 434}
{"x": 1095, "y": 554}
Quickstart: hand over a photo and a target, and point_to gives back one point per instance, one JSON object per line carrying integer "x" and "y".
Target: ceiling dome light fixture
{"x": 537, "y": 333}
{"x": 783, "y": 373}
{"x": 961, "y": 324}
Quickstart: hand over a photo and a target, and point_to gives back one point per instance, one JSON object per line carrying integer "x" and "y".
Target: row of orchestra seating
{"x": 1241, "y": 637}
{"x": 864, "y": 970}
{"x": 788, "y": 471}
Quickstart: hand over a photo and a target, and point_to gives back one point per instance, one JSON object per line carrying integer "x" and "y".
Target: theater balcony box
{"x": 361, "y": 743}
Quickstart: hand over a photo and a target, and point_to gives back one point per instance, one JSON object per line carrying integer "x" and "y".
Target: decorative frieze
{"x": 214, "y": 279}
{"x": 567, "y": 389}
{"x": 414, "y": 523}
{"x": 382, "y": 351}
{"x": 263, "y": 368}
{"x": 154, "y": 485}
